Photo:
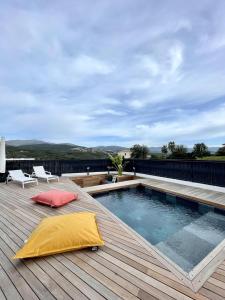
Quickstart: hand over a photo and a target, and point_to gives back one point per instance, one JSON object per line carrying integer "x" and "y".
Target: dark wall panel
{"x": 208, "y": 172}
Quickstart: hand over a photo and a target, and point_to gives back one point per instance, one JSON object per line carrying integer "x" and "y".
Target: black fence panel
{"x": 201, "y": 171}
{"x": 59, "y": 167}
{"x": 78, "y": 166}
{"x": 27, "y": 165}
{"x": 166, "y": 168}
{"x": 208, "y": 172}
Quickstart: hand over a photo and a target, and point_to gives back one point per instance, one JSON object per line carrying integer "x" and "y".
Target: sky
{"x": 112, "y": 72}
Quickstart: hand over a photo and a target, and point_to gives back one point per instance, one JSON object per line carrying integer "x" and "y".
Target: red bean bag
{"x": 55, "y": 198}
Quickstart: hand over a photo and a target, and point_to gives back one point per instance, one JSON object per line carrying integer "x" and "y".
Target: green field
{"x": 213, "y": 157}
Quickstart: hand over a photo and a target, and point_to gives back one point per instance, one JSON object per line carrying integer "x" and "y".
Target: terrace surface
{"x": 122, "y": 269}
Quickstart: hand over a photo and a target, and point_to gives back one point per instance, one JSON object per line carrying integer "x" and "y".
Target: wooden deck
{"x": 122, "y": 269}
{"x": 205, "y": 196}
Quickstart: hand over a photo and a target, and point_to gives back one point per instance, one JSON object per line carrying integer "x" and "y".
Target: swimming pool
{"x": 185, "y": 231}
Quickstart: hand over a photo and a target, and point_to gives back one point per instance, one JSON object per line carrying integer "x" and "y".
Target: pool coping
{"x": 201, "y": 272}
{"x": 146, "y": 176}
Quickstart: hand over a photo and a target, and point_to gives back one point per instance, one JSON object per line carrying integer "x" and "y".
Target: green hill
{"x": 53, "y": 151}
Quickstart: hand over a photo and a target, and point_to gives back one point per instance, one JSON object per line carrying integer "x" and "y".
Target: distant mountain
{"x": 155, "y": 149}
{"x": 42, "y": 145}
{"x": 48, "y": 151}
{"x": 39, "y": 143}
{"x": 213, "y": 149}
{"x": 16, "y": 143}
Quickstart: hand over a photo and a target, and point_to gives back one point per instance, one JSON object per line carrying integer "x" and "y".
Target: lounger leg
{"x": 23, "y": 185}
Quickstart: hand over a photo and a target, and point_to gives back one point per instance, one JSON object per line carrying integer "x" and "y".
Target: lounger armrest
{"x": 26, "y": 174}
{"x": 33, "y": 174}
{"x": 48, "y": 173}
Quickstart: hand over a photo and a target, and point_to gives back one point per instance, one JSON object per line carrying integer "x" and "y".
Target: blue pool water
{"x": 183, "y": 230}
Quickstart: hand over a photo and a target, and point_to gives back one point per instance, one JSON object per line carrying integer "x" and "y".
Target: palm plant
{"x": 117, "y": 162}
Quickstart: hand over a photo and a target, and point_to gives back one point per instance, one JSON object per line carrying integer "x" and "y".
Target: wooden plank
{"x": 210, "y": 295}
{"x": 51, "y": 285}
{"x": 149, "y": 280}
{"x": 217, "y": 282}
{"x": 145, "y": 296}
{"x": 18, "y": 281}
{"x": 90, "y": 274}
{"x": 2, "y": 296}
{"x": 7, "y": 286}
{"x": 217, "y": 290}
{"x": 76, "y": 278}
{"x": 122, "y": 269}
{"x": 60, "y": 280}
{"x": 219, "y": 271}
{"x": 163, "y": 278}
{"x": 34, "y": 282}
{"x": 113, "y": 265}
{"x": 109, "y": 273}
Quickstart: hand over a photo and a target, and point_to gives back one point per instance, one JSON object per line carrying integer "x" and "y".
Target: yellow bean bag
{"x": 62, "y": 233}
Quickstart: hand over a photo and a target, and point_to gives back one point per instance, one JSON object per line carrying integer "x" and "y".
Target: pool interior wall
{"x": 185, "y": 231}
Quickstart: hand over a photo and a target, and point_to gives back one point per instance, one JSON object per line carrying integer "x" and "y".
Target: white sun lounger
{"x": 19, "y": 176}
{"x": 40, "y": 172}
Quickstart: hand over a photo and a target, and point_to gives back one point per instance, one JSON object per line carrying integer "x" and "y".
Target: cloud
{"x": 90, "y": 66}
{"x": 113, "y": 72}
{"x": 150, "y": 65}
{"x": 211, "y": 126}
{"x": 136, "y": 104}
{"x": 105, "y": 111}
{"x": 176, "y": 58}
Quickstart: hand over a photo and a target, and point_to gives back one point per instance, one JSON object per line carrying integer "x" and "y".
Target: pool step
{"x": 171, "y": 253}
{"x": 210, "y": 227}
{"x": 192, "y": 243}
